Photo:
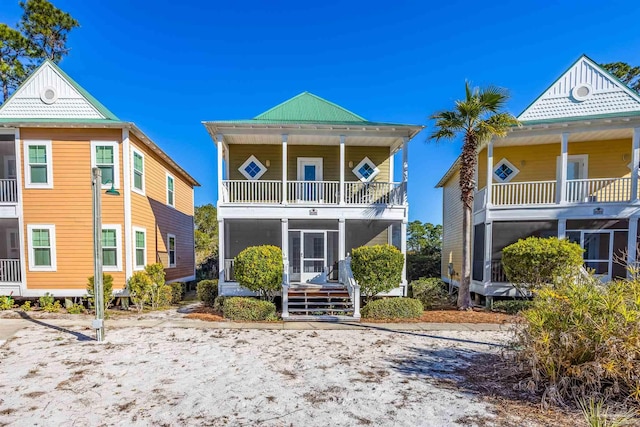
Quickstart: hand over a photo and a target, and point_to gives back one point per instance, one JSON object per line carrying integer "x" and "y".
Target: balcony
{"x": 541, "y": 193}
{"x": 8, "y": 191}
{"x": 10, "y": 271}
{"x": 312, "y": 192}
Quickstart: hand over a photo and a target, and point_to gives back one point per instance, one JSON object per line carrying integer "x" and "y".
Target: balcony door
{"x": 577, "y": 168}
{"x": 308, "y": 187}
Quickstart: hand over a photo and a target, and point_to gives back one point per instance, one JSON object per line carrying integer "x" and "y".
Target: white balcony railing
{"x": 10, "y": 270}
{"x": 367, "y": 193}
{"x": 599, "y": 190}
{"x": 524, "y": 193}
{"x": 327, "y": 192}
{"x": 8, "y": 191}
{"x": 245, "y": 191}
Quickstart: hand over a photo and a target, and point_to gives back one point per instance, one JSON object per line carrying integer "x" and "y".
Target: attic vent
{"x": 48, "y": 95}
{"x": 581, "y": 92}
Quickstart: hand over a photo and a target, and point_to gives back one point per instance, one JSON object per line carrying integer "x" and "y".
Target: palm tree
{"x": 478, "y": 119}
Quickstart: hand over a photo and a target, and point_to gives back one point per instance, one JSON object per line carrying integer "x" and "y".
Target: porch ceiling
{"x": 555, "y": 138}
{"x": 296, "y": 139}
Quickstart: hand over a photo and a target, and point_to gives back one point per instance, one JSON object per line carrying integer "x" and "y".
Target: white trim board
{"x": 49, "y": 154}
{"x": 116, "y": 160}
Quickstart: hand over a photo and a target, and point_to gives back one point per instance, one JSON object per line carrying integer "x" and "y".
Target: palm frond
{"x": 493, "y": 98}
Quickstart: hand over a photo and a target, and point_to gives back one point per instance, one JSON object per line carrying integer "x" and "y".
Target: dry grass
{"x": 452, "y": 315}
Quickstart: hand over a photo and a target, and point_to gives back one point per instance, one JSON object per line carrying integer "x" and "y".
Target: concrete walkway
{"x": 8, "y": 327}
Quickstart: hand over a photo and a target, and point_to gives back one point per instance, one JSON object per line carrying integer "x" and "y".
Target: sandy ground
{"x": 180, "y": 376}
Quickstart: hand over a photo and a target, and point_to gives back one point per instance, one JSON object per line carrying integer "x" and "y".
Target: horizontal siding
{"x": 239, "y": 153}
{"x": 452, "y": 227}
{"x": 69, "y": 206}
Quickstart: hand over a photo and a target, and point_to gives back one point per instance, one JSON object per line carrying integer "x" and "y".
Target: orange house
{"x": 52, "y": 132}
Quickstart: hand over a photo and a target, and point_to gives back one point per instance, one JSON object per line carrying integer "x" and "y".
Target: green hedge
{"x": 178, "y": 290}
{"x": 377, "y": 268}
{"x": 259, "y": 269}
{"x": 393, "y": 308}
{"x": 512, "y": 306}
{"x": 207, "y": 291}
{"x": 248, "y": 309}
{"x": 431, "y": 292}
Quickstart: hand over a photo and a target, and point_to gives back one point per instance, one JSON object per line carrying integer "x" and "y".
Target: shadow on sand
{"x": 80, "y": 336}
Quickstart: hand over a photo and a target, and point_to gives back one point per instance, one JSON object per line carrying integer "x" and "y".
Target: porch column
{"x": 632, "y": 247}
{"x": 488, "y": 252}
{"x": 489, "y": 191}
{"x": 342, "y": 160}
{"x": 342, "y": 243}
{"x": 635, "y": 159}
{"x": 221, "y": 255}
{"x": 562, "y": 179}
{"x": 562, "y": 228}
{"x": 284, "y": 168}
{"x": 405, "y": 169}
{"x": 220, "y": 186}
{"x": 226, "y": 161}
{"x": 403, "y": 249}
{"x": 285, "y": 266}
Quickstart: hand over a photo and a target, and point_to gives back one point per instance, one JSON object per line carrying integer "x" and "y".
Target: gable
{"x": 51, "y": 94}
{"x": 584, "y": 90}
{"x": 308, "y": 107}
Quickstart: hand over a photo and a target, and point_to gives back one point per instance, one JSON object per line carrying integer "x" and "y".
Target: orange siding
{"x": 152, "y": 213}
{"x": 68, "y": 205}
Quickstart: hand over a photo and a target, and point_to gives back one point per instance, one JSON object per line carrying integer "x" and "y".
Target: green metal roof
{"x": 62, "y": 121}
{"x": 308, "y": 107}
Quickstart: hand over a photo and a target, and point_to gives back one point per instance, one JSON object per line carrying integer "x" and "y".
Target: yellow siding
{"x": 69, "y": 206}
{"x": 378, "y": 155}
{"x": 452, "y": 227}
{"x": 330, "y": 160}
{"x": 607, "y": 159}
{"x": 152, "y": 213}
{"x": 239, "y": 153}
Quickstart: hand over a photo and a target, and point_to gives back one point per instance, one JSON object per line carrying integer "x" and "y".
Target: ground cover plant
{"x": 393, "y": 308}
{"x": 248, "y": 309}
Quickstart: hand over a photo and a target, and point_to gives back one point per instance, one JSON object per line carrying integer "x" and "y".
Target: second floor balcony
{"x": 313, "y": 192}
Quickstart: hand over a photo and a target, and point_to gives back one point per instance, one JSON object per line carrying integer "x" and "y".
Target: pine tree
{"x": 47, "y": 28}
{"x": 14, "y": 49}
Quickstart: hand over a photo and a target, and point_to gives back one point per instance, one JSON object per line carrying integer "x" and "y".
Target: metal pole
{"x": 98, "y": 294}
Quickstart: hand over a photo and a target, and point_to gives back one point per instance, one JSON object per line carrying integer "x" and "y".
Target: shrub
{"x": 259, "y": 269}
{"x": 177, "y": 292}
{"x": 157, "y": 276}
{"x": 580, "y": 339}
{"x": 6, "y": 302}
{"x": 45, "y": 300}
{"x": 207, "y": 291}
{"x": 26, "y": 306}
{"x": 218, "y": 304}
{"x": 393, "y": 308}
{"x": 248, "y": 309}
{"x": 532, "y": 262}
{"x": 431, "y": 292}
{"x": 377, "y": 268}
{"x": 107, "y": 289}
{"x": 76, "y": 309}
{"x": 165, "y": 296}
{"x": 52, "y": 308}
{"x": 139, "y": 286}
{"x": 513, "y": 306}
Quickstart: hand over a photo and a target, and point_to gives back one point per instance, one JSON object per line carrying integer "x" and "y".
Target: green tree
{"x": 423, "y": 235}
{"x": 626, "y": 73}
{"x": 424, "y": 250}
{"x": 47, "y": 28}
{"x": 206, "y": 239}
{"x": 478, "y": 118}
{"x": 14, "y": 48}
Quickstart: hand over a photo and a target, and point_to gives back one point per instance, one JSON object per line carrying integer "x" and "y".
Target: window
{"x": 138, "y": 172}
{"x": 171, "y": 249}
{"x": 366, "y": 170}
{"x": 38, "y": 164}
{"x": 505, "y": 171}
{"x": 252, "y": 168}
{"x": 140, "y": 244}
{"x": 111, "y": 253}
{"x": 42, "y": 247}
{"x": 171, "y": 191}
{"x": 104, "y": 155}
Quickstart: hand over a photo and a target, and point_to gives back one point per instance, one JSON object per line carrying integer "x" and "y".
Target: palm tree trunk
{"x": 464, "y": 293}
{"x": 467, "y": 188}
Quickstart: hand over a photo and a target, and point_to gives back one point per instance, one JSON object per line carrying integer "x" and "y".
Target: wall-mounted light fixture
{"x": 350, "y": 164}
{"x": 523, "y": 162}
{"x": 268, "y": 163}
{"x": 625, "y": 157}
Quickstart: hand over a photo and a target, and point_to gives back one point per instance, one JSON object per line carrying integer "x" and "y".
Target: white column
{"x": 226, "y": 161}
{"x": 220, "y": 151}
{"x": 342, "y": 240}
{"x": 403, "y": 249}
{"x": 221, "y": 254}
{"x": 285, "y": 242}
{"x": 488, "y": 252}
{"x": 489, "y": 191}
{"x": 635, "y": 159}
{"x": 342, "y": 160}
{"x": 562, "y": 228}
{"x": 391, "y": 164}
{"x": 285, "y": 158}
{"x": 632, "y": 247}
{"x": 126, "y": 172}
{"x": 564, "y": 160}
{"x": 285, "y": 266}
{"x": 405, "y": 168}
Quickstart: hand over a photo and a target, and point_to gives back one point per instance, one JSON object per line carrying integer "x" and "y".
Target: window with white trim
{"x": 38, "y": 164}
{"x": 140, "y": 245}
{"x": 42, "y": 247}
{"x": 171, "y": 249}
{"x": 138, "y": 171}
{"x": 104, "y": 155}
{"x": 252, "y": 168}
{"x": 366, "y": 170}
{"x": 171, "y": 192}
{"x": 111, "y": 248}
{"x": 504, "y": 171}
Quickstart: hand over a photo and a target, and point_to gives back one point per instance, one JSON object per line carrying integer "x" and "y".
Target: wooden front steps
{"x": 329, "y": 302}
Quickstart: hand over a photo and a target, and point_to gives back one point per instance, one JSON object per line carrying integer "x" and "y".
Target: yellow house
{"x": 570, "y": 170}
{"x": 52, "y": 132}
{"x": 317, "y": 181}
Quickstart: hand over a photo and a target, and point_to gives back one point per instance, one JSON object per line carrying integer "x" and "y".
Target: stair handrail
{"x": 345, "y": 275}
{"x": 285, "y": 288}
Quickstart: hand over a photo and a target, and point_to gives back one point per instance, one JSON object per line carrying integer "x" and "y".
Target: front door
{"x": 308, "y": 187}
{"x": 314, "y": 256}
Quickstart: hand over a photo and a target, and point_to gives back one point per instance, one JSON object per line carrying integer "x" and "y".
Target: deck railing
{"x": 8, "y": 191}
{"x": 524, "y": 193}
{"x": 367, "y": 193}
{"x": 10, "y": 270}
{"x": 601, "y": 190}
{"x": 497, "y": 272}
{"x": 327, "y": 192}
{"x": 246, "y": 191}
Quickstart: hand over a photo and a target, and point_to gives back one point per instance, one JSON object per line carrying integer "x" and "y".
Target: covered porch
{"x": 10, "y": 262}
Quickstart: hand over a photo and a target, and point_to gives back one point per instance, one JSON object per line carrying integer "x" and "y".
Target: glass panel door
{"x": 313, "y": 257}
{"x": 598, "y": 250}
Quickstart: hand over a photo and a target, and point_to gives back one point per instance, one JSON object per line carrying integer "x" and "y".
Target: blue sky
{"x": 168, "y": 65}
